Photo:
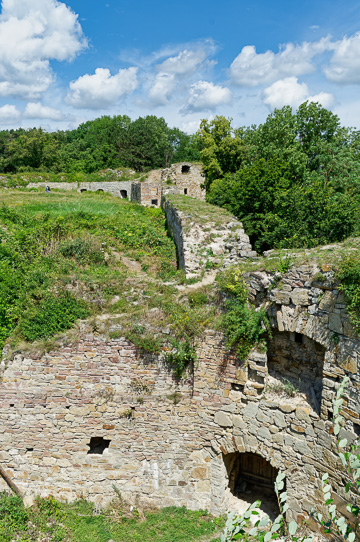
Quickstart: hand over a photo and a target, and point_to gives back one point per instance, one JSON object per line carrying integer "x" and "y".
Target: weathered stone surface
{"x": 300, "y": 296}
{"x": 223, "y": 419}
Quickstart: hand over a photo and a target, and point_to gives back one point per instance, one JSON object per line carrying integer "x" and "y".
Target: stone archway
{"x": 251, "y": 478}
{"x": 239, "y": 464}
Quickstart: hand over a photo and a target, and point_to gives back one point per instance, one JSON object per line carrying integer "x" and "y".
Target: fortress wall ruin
{"x": 175, "y": 443}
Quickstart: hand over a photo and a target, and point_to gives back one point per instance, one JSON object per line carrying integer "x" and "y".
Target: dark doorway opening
{"x": 83, "y": 190}
{"x": 185, "y": 191}
{"x": 294, "y": 358}
{"x": 123, "y": 194}
{"x": 185, "y": 169}
{"x": 100, "y": 190}
{"x": 97, "y": 445}
{"x": 252, "y": 478}
{"x": 154, "y": 202}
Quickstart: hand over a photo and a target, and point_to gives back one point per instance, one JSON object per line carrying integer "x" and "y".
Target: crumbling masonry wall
{"x": 201, "y": 247}
{"x": 169, "y": 440}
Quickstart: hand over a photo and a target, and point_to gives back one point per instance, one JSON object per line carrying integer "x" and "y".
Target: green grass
{"x": 79, "y": 522}
{"x": 201, "y": 212}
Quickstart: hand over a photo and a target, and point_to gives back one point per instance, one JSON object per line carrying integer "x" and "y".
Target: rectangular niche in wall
{"x": 97, "y": 445}
{"x": 299, "y": 360}
{"x": 185, "y": 169}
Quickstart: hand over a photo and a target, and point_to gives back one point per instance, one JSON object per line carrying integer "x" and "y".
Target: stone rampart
{"x": 120, "y": 189}
{"x": 203, "y": 245}
{"x": 173, "y": 443}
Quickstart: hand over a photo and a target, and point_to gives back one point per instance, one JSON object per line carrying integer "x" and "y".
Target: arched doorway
{"x": 123, "y": 194}
{"x": 251, "y": 478}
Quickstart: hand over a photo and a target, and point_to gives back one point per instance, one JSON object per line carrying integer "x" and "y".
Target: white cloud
{"x": 185, "y": 62}
{"x": 33, "y": 32}
{"x": 344, "y": 66}
{"x": 162, "y": 88}
{"x": 9, "y": 114}
{"x": 204, "y": 96}
{"x": 251, "y": 68}
{"x": 326, "y": 99}
{"x": 101, "y": 90}
{"x": 289, "y": 91}
{"x": 38, "y": 111}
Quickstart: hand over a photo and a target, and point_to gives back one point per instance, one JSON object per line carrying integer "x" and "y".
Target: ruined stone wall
{"x": 148, "y": 193}
{"x": 119, "y": 189}
{"x": 169, "y": 441}
{"x": 200, "y": 247}
{"x": 184, "y": 178}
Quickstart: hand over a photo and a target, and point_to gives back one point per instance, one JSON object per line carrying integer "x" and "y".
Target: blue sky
{"x": 64, "y": 63}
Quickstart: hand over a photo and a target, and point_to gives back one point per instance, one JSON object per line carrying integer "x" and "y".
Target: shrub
{"x": 244, "y": 327}
{"x": 182, "y": 357}
{"x": 82, "y": 250}
{"x": 52, "y": 315}
{"x": 349, "y": 276}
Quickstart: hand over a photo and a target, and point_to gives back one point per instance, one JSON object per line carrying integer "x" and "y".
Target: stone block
{"x": 223, "y": 419}
{"x": 335, "y": 323}
{"x": 300, "y": 296}
{"x": 280, "y": 297}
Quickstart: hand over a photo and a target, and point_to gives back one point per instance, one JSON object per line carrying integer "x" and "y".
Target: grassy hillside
{"x": 66, "y": 256}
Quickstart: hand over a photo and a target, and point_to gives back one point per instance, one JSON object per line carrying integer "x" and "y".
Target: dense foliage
{"x": 293, "y": 181}
{"x": 107, "y": 142}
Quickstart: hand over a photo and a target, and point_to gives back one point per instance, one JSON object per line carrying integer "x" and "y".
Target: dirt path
{"x": 209, "y": 278}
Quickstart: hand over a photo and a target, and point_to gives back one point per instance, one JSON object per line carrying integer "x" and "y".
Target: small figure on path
{"x": 47, "y": 189}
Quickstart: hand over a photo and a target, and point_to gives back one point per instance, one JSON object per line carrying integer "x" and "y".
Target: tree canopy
{"x": 293, "y": 181}
{"x": 106, "y": 142}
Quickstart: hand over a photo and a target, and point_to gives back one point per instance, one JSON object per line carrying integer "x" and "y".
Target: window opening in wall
{"x": 12, "y": 404}
{"x": 185, "y": 169}
{"x": 98, "y": 445}
{"x": 154, "y": 202}
{"x": 29, "y": 450}
{"x": 83, "y": 190}
{"x": 100, "y": 190}
{"x": 123, "y": 194}
{"x": 251, "y": 478}
{"x": 296, "y": 371}
{"x": 185, "y": 191}
{"x": 298, "y": 338}
{"x": 357, "y": 429}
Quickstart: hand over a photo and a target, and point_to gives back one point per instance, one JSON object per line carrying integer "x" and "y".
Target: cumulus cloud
{"x": 289, "y": 91}
{"x": 344, "y": 67}
{"x": 38, "y": 111}
{"x": 9, "y": 114}
{"x": 251, "y": 68}
{"x": 204, "y": 95}
{"x": 185, "y": 62}
{"x": 163, "y": 86}
{"x": 101, "y": 90}
{"x": 33, "y": 32}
